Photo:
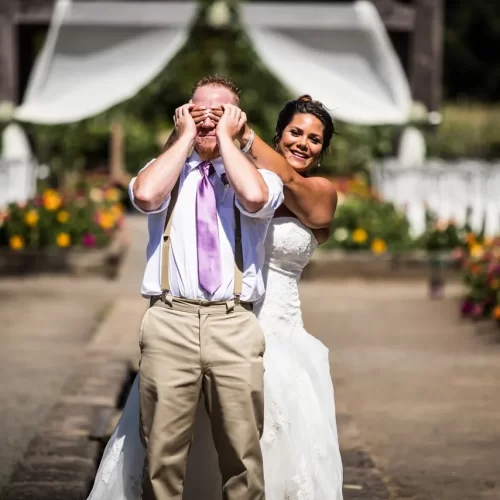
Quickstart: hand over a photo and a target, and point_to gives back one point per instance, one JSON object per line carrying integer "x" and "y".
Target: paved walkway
{"x": 421, "y": 385}
{"x": 416, "y": 387}
{"x": 46, "y": 322}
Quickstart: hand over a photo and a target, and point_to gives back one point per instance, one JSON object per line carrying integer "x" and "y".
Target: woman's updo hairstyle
{"x": 305, "y": 105}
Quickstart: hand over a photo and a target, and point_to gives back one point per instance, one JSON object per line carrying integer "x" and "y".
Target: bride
{"x": 300, "y": 444}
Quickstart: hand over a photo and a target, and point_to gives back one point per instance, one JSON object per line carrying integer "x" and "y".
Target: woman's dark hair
{"x": 305, "y": 105}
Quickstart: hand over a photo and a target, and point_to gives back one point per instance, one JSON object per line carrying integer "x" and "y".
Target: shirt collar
{"x": 194, "y": 160}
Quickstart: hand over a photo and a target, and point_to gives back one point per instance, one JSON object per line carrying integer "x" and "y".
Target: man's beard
{"x": 207, "y": 147}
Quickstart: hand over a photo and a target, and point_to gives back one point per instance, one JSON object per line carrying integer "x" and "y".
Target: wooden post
{"x": 426, "y": 57}
{"x": 8, "y": 52}
{"x": 117, "y": 154}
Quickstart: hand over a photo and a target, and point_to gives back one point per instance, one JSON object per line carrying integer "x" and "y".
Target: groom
{"x": 208, "y": 214}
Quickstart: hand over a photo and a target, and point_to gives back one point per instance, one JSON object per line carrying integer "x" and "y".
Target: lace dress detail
{"x": 299, "y": 444}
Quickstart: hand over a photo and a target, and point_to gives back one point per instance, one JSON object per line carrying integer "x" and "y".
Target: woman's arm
{"x": 313, "y": 200}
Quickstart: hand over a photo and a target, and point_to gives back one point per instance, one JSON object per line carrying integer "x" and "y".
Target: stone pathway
{"x": 416, "y": 388}
{"x": 421, "y": 385}
{"x": 46, "y": 322}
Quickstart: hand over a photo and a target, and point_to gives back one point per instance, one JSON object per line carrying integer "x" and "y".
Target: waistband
{"x": 194, "y": 306}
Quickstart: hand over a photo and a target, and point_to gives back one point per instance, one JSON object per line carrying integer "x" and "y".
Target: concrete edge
{"x": 362, "y": 478}
{"x": 336, "y": 264}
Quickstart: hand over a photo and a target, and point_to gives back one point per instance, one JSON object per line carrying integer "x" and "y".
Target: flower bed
{"x": 365, "y": 222}
{"x": 46, "y": 232}
{"x": 481, "y": 273}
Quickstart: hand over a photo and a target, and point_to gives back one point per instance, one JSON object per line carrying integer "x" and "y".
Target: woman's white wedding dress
{"x": 300, "y": 445}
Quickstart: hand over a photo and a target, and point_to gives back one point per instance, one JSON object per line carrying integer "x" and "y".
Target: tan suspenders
{"x": 165, "y": 251}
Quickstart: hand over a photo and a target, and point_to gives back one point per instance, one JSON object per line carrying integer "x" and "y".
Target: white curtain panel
{"x": 98, "y": 54}
{"x": 339, "y": 54}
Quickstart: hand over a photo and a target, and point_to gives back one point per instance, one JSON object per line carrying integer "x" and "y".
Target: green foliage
{"x": 468, "y": 130}
{"x": 472, "y": 31}
{"x": 355, "y": 146}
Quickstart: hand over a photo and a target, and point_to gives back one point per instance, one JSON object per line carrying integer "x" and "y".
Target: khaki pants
{"x": 188, "y": 347}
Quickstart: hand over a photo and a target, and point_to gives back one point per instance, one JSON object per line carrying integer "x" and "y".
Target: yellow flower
{"x": 378, "y": 246}
{"x": 63, "y": 216}
{"x": 359, "y": 235}
{"x": 16, "y": 242}
{"x": 106, "y": 219}
{"x": 31, "y": 218}
{"x": 476, "y": 250}
{"x": 112, "y": 195}
{"x": 63, "y": 240}
{"x": 117, "y": 210}
{"x": 51, "y": 200}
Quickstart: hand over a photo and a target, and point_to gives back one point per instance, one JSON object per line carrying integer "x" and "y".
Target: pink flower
{"x": 89, "y": 240}
{"x": 477, "y": 310}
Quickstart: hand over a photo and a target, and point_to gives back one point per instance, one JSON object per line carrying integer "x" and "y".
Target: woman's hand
{"x": 201, "y": 113}
{"x": 231, "y": 122}
{"x": 184, "y": 123}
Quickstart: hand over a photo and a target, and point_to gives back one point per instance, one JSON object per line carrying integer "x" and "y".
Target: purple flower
{"x": 467, "y": 306}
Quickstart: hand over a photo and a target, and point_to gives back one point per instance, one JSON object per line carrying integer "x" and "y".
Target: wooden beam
{"x": 34, "y": 11}
{"x": 396, "y": 16}
{"x": 8, "y": 53}
{"x": 426, "y": 53}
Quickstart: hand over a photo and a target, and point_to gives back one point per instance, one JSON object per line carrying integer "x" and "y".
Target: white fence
{"x": 17, "y": 180}
{"x": 447, "y": 188}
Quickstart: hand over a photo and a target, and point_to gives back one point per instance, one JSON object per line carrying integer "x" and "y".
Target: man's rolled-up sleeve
{"x": 274, "y": 200}
{"x": 162, "y": 207}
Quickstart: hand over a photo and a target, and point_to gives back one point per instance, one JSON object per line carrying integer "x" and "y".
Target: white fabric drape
{"x": 340, "y": 54}
{"x": 98, "y": 54}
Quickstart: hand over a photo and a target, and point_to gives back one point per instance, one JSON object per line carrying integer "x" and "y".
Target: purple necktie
{"x": 207, "y": 232}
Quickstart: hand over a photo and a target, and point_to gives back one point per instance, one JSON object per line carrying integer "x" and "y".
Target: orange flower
{"x": 16, "y": 242}
{"x": 63, "y": 240}
{"x": 475, "y": 269}
{"x": 106, "y": 219}
{"x": 378, "y": 246}
{"x": 359, "y": 235}
{"x": 496, "y": 313}
{"x": 51, "y": 200}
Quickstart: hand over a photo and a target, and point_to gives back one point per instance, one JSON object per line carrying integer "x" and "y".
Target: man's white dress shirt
{"x": 183, "y": 265}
